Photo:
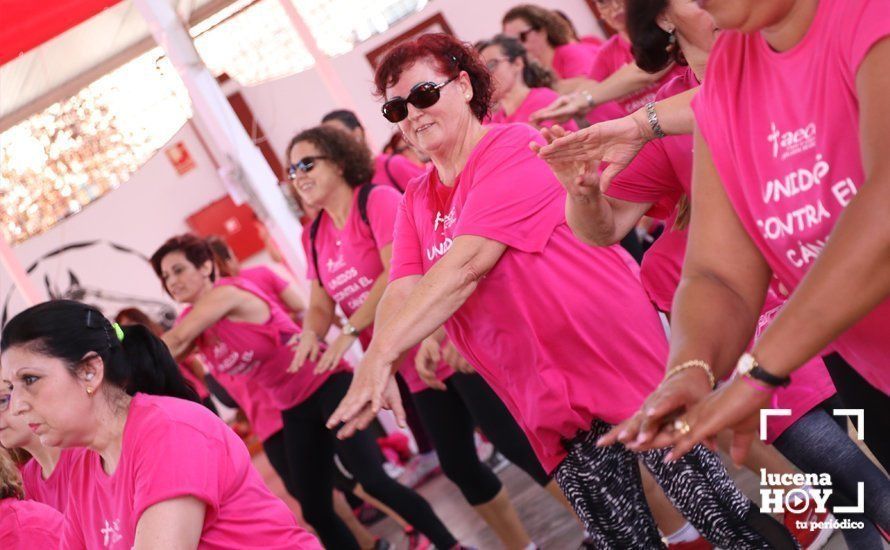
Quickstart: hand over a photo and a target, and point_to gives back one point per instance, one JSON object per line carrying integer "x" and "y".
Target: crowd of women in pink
{"x": 485, "y": 263}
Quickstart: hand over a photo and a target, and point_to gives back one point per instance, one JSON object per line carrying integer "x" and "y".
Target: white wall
{"x": 154, "y": 203}
{"x": 290, "y": 104}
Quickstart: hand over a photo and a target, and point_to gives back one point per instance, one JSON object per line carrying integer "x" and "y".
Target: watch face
{"x": 746, "y": 363}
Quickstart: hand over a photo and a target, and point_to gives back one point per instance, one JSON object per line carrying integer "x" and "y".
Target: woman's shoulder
{"x": 17, "y": 516}
{"x": 152, "y": 414}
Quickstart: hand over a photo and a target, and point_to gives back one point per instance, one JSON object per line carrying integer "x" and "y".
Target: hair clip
{"x": 92, "y": 322}
{"x": 118, "y": 331}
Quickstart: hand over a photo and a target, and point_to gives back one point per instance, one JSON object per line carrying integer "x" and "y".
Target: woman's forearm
{"x": 711, "y": 323}
{"x": 363, "y": 317}
{"x": 591, "y": 219}
{"x": 626, "y": 80}
{"x": 403, "y": 322}
{"x": 318, "y": 319}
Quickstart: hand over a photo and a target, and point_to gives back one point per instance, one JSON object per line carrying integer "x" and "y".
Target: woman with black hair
{"x": 242, "y": 332}
{"x": 521, "y": 86}
{"x": 161, "y": 471}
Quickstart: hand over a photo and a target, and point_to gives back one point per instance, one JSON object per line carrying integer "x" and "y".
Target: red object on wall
{"x": 235, "y": 224}
{"x": 27, "y": 25}
{"x": 180, "y": 158}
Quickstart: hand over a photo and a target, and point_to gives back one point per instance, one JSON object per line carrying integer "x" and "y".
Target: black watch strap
{"x": 758, "y": 373}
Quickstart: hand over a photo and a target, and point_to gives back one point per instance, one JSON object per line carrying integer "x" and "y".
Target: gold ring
{"x": 682, "y": 426}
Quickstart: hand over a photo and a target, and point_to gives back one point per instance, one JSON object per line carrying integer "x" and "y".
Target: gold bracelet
{"x": 693, "y": 363}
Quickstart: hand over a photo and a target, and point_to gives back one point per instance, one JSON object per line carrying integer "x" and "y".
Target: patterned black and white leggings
{"x": 604, "y": 486}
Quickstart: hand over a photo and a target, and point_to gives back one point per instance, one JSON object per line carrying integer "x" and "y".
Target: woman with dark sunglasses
{"x": 520, "y": 86}
{"x": 392, "y": 168}
{"x": 242, "y": 332}
{"x": 549, "y": 41}
{"x": 352, "y": 257}
{"x": 484, "y": 226}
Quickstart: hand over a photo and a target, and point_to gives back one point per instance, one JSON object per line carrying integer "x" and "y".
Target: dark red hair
{"x": 451, "y": 57}
{"x": 196, "y": 251}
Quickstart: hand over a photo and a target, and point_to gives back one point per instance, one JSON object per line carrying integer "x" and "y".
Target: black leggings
{"x": 450, "y": 418}
{"x": 856, "y": 393}
{"x": 310, "y": 455}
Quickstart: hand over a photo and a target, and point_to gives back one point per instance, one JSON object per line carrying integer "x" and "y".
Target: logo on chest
{"x": 441, "y": 226}
{"x": 790, "y": 143}
{"x": 336, "y": 264}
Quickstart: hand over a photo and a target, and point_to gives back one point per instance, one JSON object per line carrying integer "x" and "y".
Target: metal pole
{"x": 244, "y": 171}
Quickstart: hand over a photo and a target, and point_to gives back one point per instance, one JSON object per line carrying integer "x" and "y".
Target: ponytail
{"x": 150, "y": 367}
{"x": 135, "y": 359}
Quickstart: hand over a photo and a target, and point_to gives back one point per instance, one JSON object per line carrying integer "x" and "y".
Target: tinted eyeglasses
{"x": 305, "y": 165}
{"x": 422, "y": 96}
{"x": 492, "y": 64}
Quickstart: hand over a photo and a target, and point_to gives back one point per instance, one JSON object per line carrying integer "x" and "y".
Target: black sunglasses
{"x": 305, "y": 165}
{"x": 523, "y": 36}
{"x": 422, "y": 96}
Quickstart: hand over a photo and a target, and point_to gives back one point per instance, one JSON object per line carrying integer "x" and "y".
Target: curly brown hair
{"x": 450, "y": 55}
{"x": 352, "y": 157}
{"x": 558, "y": 31}
{"x": 10, "y": 479}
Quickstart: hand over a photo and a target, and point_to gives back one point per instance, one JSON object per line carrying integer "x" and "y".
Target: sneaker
{"x": 420, "y": 469}
{"x": 416, "y": 541}
{"x": 809, "y": 539}
{"x": 698, "y": 544}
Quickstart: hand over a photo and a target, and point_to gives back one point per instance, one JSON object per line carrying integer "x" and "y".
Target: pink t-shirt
{"x": 266, "y": 280}
{"x": 52, "y": 491}
{"x": 265, "y": 420}
{"x": 615, "y": 54}
{"x": 563, "y": 332}
{"x": 349, "y": 260}
{"x": 537, "y": 99}
{"x": 783, "y": 129}
{"x": 395, "y": 171}
{"x": 259, "y": 351}
{"x": 173, "y": 448}
{"x": 574, "y": 59}
{"x": 661, "y": 174}
{"x": 29, "y": 525}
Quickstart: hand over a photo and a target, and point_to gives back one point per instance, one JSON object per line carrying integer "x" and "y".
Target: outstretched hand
{"x": 614, "y": 142}
{"x": 734, "y": 406}
{"x": 563, "y": 109}
{"x": 372, "y": 388}
{"x": 427, "y": 361}
{"x": 579, "y": 177}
